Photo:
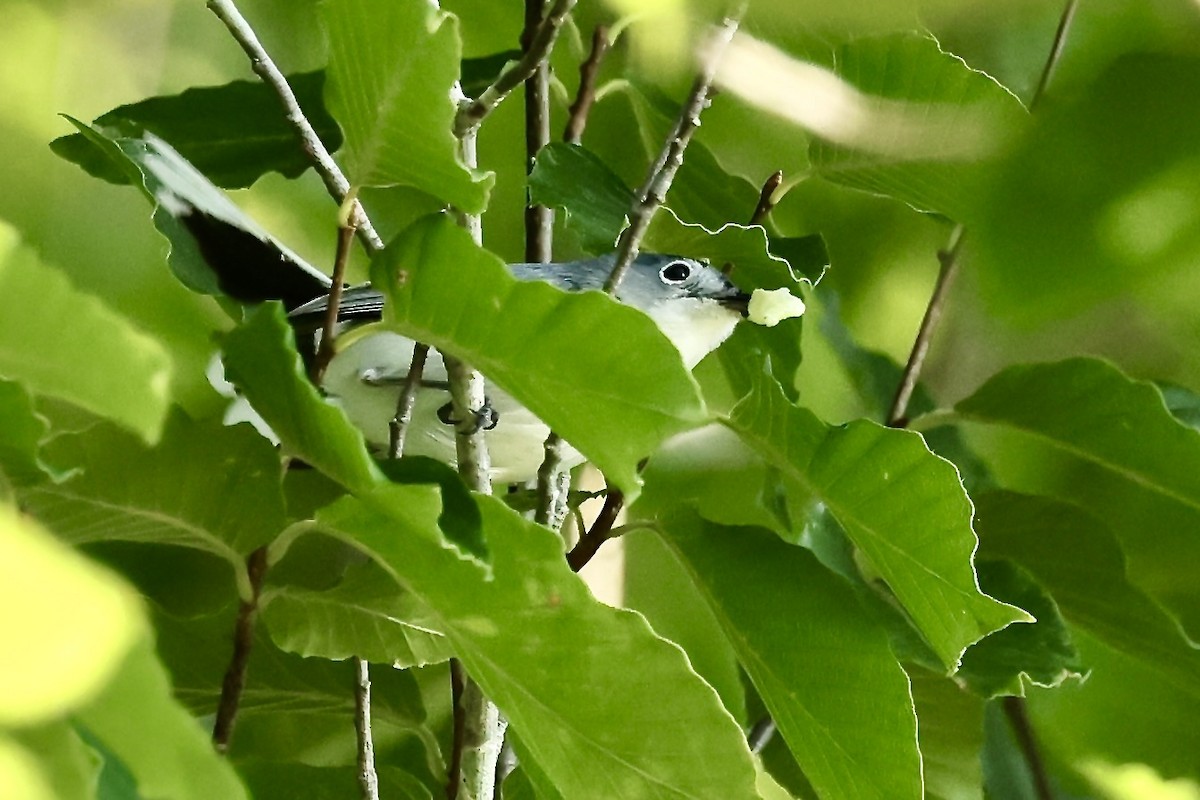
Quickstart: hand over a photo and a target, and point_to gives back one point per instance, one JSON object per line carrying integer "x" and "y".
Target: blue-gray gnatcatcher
{"x": 694, "y": 305}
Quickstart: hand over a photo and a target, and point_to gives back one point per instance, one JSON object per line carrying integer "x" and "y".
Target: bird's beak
{"x": 738, "y": 301}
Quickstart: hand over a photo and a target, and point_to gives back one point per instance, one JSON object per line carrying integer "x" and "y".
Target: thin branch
{"x": 335, "y": 182}
{"x": 898, "y": 414}
{"x": 662, "y": 173}
{"x": 243, "y": 640}
{"x": 1056, "y": 51}
{"x": 585, "y": 98}
{"x": 590, "y": 541}
{"x": 398, "y": 427}
{"x": 329, "y": 329}
{"x": 368, "y": 780}
{"x": 1014, "y": 709}
{"x": 766, "y": 197}
{"x": 472, "y": 113}
{"x": 539, "y": 220}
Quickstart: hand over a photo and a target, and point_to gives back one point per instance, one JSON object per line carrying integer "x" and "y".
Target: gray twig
{"x": 368, "y": 780}
{"x": 1018, "y": 719}
{"x": 335, "y": 182}
{"x": 472, "y": 113}
{"x": 577, "y": 115}
{"x": 329, "y": 329}
{"x": 1056, "y": 51}
{"x": 539, "y": 220}
{"x": 662, "y": 173}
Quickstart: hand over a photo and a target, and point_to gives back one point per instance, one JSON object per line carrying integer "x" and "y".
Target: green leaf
{"x": 204, "y": 486}
{"x": 261, "y": 359}
{"x": 542, "y": 648}
{"x": 68, "y": 765}
{"x": 178, "y": 761}
{"x": 1098, "y": 198}
{"x": 596, "y": 201}
{"x": 967, "y": 107}
{"x": 950, "y": 730}
{"x": 1041, "y": 653}
{"x": 204, "y": 227}
{"x": 1090, "y": 587}
{"x": 234, "y": 133}
{"x": 392, "y": 68}
{"x": 295, "y": 708}
{"x": 817, "y": 659}
{"x": 903, "y": 507}
{"x": 368, "y": 615}
{"x": 61, "y": 650}
{"x": 60, "y": 342}
{"x": 291, "y": 780}
{"x": 657, "y": 586}
{"x": 1129, "y": 460}
{"x": 539, "y": 344}
{"x": 21, "y": 432}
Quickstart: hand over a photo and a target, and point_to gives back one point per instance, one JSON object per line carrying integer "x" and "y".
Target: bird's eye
{"x": 675, "y": 272}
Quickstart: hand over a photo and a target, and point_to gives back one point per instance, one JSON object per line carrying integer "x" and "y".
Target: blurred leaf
{"x": 753, "y": 348}
{"x": 950, "y": 730}
{"x": 233, "y": 133}
{"x": 58, "y": 341}
{"x": 1040, "y": 652}
{"x": 60, "y": 651}
{"x": 479, "y": 73}
{"x": 539, "y": 344}
{"x": 392, "y": 67}
{"x": 542, "y": 648}
{"x": 1089, "y": 586}
{"x": 68, "y": 765}
{"x": 658, "y": 586}
{"x": 177, "y": 762}
{"x": 819, "y": 662}
{"x": 368, "y": 615}
{"x": 21, "y": 432}
{"x": 1098, "y": 198}
{"x": 1134, "y": 464}
{"x": 969, "y": 109}
{"x": 204, "y": 486}
{"x": 890, "y": 494}
{"x": 214, "y": 246}
{"x": 261, "y": 359}
{"x": 20, "y": 773}
{"x": 1183, "y": 404}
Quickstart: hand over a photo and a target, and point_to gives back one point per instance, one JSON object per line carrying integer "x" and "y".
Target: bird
{"x": 695, "y": 306}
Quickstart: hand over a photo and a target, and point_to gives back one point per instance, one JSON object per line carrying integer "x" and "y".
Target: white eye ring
{"x": 675, "y": 273}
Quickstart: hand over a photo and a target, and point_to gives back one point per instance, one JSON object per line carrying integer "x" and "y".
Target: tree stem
{"x": 243, "y": 640}
{"x": 585, "y": 98}
{"x": 368, "y": 780}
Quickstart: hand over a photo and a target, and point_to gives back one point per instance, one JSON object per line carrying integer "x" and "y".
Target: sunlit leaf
{"x": 540, "y": 345}
{"x": 1129, "y": 460}
{"x": 67, "y": 764}
{"x": 234, "y": 133}
{"x": 950, "y": 733}
{"x": 82, "y": 626}
{"x": 178, "y": 762}
{"x": 98, "y": 361}
{"x": 903, "y": 507}
{"x": 542, "y": 648}
{"x": 261, "y": 359}
{"x": 21, "y": 432}
{"x": 820, "y": 664}
{"x": 391, "y": 70}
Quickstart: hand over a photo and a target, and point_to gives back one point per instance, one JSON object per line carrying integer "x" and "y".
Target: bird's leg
{"x": 486, "y": 418}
